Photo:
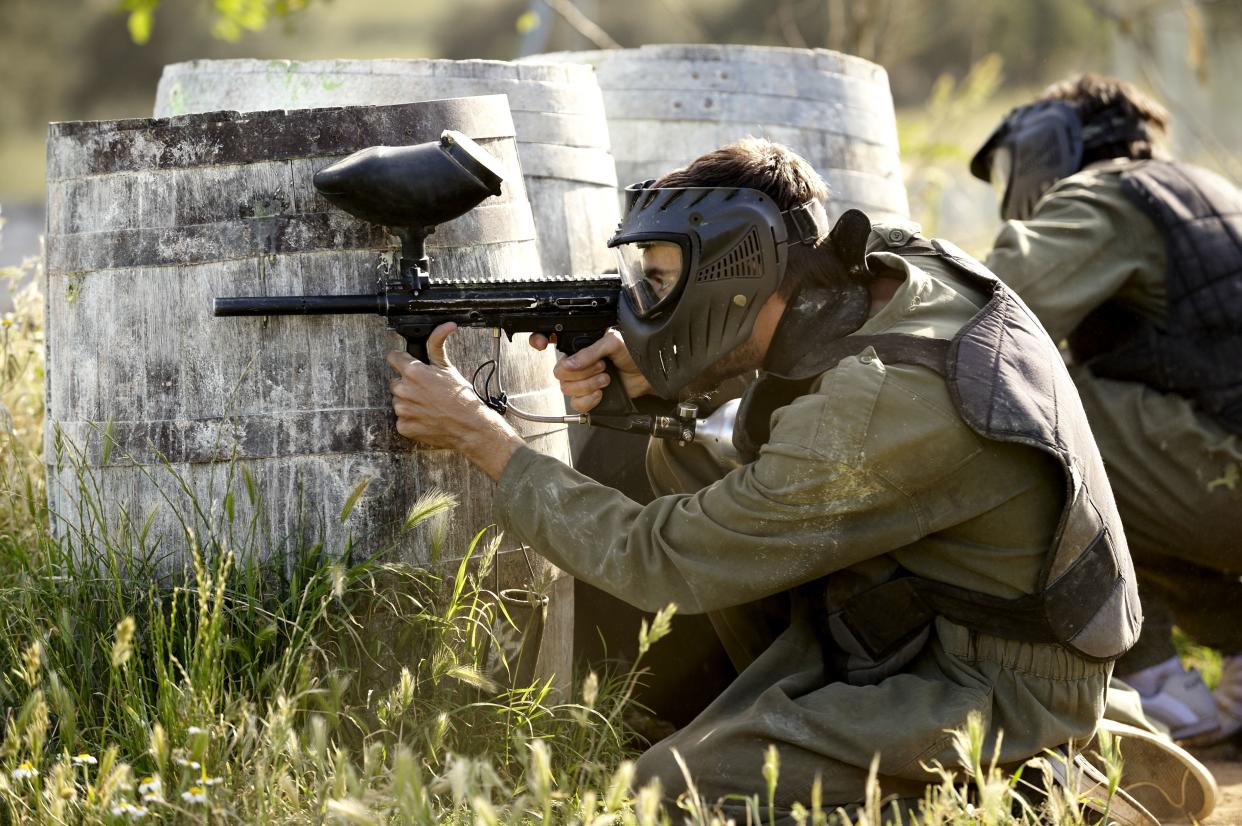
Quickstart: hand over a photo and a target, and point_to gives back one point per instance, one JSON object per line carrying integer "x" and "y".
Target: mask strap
{"x": 1113, "y": 127}
{"x": 806, "y": 223}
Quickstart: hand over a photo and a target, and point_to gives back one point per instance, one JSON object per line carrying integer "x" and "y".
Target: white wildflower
{"x": 150, "y": 785}
{"x": 195, "y": 794}
{"x": 84, "y": 760}
{"x": 24, "y": 772}
{"x": 129, "y": 811}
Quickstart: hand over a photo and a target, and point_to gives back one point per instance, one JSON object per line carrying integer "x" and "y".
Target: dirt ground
{"x": 1229, "y": 807}
{"x": 1225, "y": 762}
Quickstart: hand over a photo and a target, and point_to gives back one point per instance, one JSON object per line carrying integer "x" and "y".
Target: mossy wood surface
{"x": 558, "y": 116}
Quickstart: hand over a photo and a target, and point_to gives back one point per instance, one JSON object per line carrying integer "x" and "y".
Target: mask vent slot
{"x": 744, "y": 260}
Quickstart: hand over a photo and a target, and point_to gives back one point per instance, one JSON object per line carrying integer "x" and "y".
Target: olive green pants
{"x": 1041, "y": 696}
{"x": 1176, "y": 477}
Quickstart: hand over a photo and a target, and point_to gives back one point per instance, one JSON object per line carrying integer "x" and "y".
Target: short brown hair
{"x": 775, "y": 170}
{"x": 755, "y": 163}
{"x": 1098, "y": 96}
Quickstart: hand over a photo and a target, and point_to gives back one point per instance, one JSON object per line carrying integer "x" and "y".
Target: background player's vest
{"x": 1197, "y": 352}
{"x": 1009, "y": 384}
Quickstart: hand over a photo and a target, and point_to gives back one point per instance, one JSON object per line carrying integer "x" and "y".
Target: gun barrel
{"x": 261, "y": 305}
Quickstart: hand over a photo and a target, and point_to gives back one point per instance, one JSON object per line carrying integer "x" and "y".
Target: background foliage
{"x": 76, "y": 59}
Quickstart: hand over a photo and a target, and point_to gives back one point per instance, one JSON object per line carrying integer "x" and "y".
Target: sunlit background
{"x": 954, "y": 66}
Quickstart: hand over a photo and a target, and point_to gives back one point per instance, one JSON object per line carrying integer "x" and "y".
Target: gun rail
{"x": 261, "y": 305}
{"x": 500, "y": 304}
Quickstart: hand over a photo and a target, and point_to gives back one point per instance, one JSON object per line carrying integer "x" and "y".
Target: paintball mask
{"x": 1038, "y": 144}
{"x": 1033, "y": 148}
{"x": 696, "y": 265}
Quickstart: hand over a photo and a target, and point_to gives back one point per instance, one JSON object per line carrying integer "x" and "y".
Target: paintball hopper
{"x": 415, "y": 187}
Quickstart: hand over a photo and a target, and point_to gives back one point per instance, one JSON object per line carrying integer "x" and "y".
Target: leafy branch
{"x": 232, "y": 18}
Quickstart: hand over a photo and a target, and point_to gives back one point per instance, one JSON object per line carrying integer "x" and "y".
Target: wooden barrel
{"x": 558, "y": 115}
{"x": 666, "y": 105}
{"x": 148, "y": 221}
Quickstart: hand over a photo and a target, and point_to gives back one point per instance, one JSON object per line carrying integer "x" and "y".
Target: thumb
{"x": 436, "y": 353}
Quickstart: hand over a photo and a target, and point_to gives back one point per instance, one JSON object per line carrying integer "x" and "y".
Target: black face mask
{"x": 1033, "y": 148}
{"x": 1038, "y": 144}
{"x": 697, "y": 264}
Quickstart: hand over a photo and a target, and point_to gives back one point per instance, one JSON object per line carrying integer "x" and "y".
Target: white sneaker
{"x": 1228, "y": 697}
{"x": 1089, "y": 786}
{"x": 1179, "y": 700}
{"x": 1164, "y": 778}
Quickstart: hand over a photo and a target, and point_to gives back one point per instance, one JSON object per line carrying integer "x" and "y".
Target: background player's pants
{"x": 1177, "y": 477}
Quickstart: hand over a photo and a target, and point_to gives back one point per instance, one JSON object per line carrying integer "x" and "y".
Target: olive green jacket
{"x": 1086, "y": 243}
{"x": 871, "y": 468}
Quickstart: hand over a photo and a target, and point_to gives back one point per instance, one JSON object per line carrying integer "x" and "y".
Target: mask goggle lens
{"x": 650, "y": 273}
{"x": 1001, "y": 164}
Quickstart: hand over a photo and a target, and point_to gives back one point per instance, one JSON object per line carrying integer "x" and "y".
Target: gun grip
{"x": 416, "y": 346}
{"x": 615, "y": 400}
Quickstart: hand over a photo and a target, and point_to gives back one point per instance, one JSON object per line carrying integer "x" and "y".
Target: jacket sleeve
{"x": 1085, "y": 244}
{"x": 811, "y": 504}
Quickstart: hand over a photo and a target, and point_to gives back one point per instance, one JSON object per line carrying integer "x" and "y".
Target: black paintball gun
{"x": 410, "y": 190}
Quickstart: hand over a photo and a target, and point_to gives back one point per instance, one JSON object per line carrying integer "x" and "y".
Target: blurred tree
{"x": 1185, "y": 51}
{"x": 33, "y": 78}
{"x": 917, "y": 40}
{"x": 935, "y": 155}
{"x": 232, "y": 17}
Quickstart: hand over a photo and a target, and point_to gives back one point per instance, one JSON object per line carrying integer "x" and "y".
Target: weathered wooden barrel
{"x": 148, "y": 221}
{"x": 562, "y": 140}
{"x": 558, "y": 115}
{"x": 666, "y": 105}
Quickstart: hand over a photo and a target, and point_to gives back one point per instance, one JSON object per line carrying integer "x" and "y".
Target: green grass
{"x": 278, "y": 691}
{"x": 1193, "y": 655}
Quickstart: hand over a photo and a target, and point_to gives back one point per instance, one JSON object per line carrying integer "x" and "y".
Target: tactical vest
{"x": 1197, "y": 353}
{"x": 1009, "y": 384}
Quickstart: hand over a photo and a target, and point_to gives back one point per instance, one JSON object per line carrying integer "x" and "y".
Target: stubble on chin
{"x": 742, "y": 359}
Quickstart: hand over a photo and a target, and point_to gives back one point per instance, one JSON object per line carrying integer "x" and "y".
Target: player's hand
{"x": 582, "y": 375}
{"x": 437, "y": 407}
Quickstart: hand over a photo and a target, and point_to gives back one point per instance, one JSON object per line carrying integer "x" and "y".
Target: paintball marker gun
{"x": 410, "y": 190}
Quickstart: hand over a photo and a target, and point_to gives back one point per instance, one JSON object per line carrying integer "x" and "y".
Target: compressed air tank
{"x": 668, "y": 104}
{"x": 558, "y": 116}
{"x": 254, "y": 433}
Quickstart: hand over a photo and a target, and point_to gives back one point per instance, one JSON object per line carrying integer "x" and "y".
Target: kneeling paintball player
{"x": 1135, "y": 261}
{"x": 918, "y": 525}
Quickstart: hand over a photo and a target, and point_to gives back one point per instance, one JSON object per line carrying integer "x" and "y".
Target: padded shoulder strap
{"x": 898, "y": 348}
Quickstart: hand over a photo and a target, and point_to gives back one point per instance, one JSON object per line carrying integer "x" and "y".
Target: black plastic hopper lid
{"x": 473, "y": 158}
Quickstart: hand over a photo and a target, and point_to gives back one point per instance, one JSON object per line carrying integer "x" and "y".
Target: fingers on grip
{"x": 437, "y": 353}
{"x": 587, "y": 403}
